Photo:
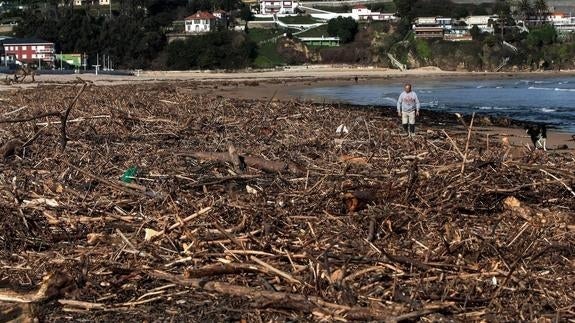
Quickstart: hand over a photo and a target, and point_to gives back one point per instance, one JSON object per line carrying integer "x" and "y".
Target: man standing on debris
{"x": 408, "y": 109}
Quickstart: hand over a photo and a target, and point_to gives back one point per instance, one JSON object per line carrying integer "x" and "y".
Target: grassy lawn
{"x": 260, "y": 34}
{"x": 338, "y": 9}
{"x": 315, "y": 32}
{"x": 299, "y": 20}
{"x": 268, "y": 57}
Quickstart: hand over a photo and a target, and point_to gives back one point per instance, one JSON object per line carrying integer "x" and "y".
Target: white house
{"x": 426, "y": 21}
{"x": 361, "y": 12}
{"x": 268, "y": 7}
{"x": 563, "y": 22}
{"x": 482, "y": 22}
{"x": 91, "y": 2}
{"x": 200, "y": 22}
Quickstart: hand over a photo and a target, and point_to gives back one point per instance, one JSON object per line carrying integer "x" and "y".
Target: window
{"x": 41, "y": 47}
{"x": 24, "y": 47}
{"x": 24, "y": 56}
{"x": 33, "y": 47}
{"x": 197, "y": 22}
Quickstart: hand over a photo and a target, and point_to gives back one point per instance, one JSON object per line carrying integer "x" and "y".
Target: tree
{"x": 541, "y": 9}
{"x": 405, "y": 8}
{"x": 475, "y": 32}
{"x": 542, "y": 36}
{"x": 344, "y": 28}
{"x": 503, "y": 10}
{"x": 219, "y": 50}
{"x": 246, "y": 14}
{"x": 524, "y": 7}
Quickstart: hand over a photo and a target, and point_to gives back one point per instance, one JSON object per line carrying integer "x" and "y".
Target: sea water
{"x": 545, "y": 100}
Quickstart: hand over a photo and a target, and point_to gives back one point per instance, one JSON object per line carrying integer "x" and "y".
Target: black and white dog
{"x": 538, "y": 136}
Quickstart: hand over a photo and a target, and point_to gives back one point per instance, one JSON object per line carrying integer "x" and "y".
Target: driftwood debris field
{"x": 158, "y": 203}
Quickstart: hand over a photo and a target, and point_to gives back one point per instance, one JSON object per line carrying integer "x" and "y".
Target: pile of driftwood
{"x": 157, "y": 202}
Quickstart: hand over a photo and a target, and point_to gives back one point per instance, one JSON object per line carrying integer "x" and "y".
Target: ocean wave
{"x": 486, "y": 108}
{"x": 547, "y": 110}
{"x": 564, "y": 90}
{"x": 540, "y": 88}
{"x": 499, "y": 87}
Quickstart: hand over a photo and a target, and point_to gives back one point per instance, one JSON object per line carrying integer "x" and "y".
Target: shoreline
{"x": 311, "y": 73}
{"x": 264, "y": 86}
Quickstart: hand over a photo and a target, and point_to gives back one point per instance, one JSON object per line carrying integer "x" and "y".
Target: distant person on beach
{"x": 407, "y": 109}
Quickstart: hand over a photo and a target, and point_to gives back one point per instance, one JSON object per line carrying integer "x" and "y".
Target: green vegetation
{"x": 305, "y": 20}
{"x": 220, "y": 50}
{"x": 315, "y": 32}
{"x": 268, "y": 56}
{"x": 133, "y": 36}
{"x": 337, "y": 9}
{"x": 422, "y": 49}
{"x": 263, "y": 19}
{"x": 344, "y": 28}
{"x": 260, "y": 34}
{"x": 382, "y": 6}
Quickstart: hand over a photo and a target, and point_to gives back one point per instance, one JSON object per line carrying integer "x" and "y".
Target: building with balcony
{"x": 270, "y": 7}
{"x": 428, "y": 32}
{"x": 28, "y": 50}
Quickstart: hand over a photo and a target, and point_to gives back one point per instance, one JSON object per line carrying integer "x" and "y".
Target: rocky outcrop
{"x": 296, "y": 52}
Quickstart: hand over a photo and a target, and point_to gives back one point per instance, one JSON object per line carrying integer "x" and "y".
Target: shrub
{"x": 225, "y": 50}
{"x": 344, "y": 28}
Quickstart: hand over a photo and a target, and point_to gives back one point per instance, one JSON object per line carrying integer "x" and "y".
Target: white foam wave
{"x": 547, "y": 110}
{"x": 564, "y": 90}
{"x": 540, "y": 88}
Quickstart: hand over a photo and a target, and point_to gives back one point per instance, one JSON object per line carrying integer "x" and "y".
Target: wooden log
{"x": 221, "y": 269}
{"x": 53, "y": 285}
{"x": 270, "y": 166}
{"x": 297, "y": 302}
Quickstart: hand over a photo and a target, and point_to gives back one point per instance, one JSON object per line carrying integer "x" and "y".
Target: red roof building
{"x": 200, "y": 22}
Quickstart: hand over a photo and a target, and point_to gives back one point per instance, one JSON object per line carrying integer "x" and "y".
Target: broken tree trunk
{"x": 299, "y": 302}
{"x": 270, "y": 166}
